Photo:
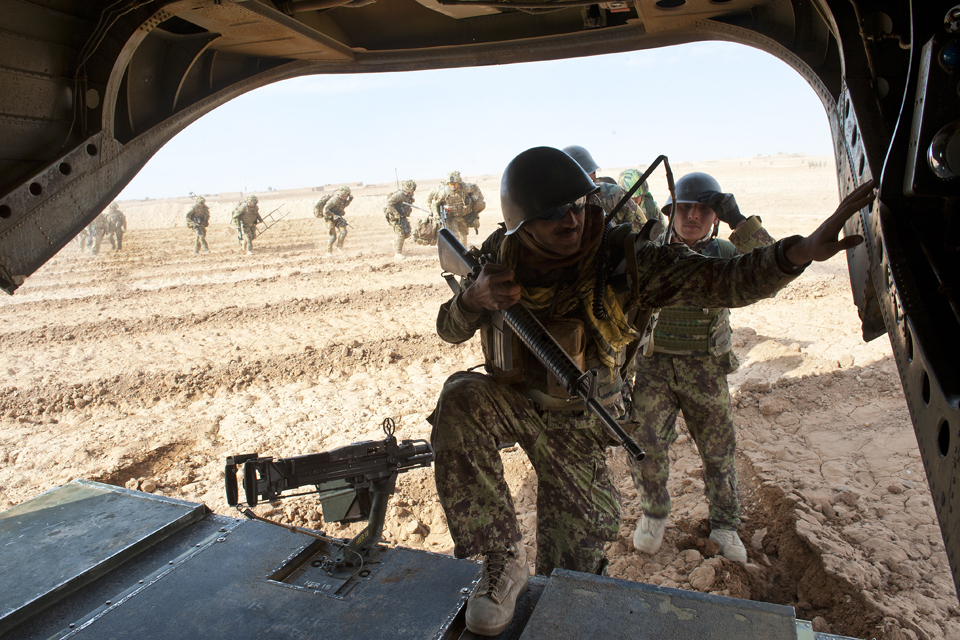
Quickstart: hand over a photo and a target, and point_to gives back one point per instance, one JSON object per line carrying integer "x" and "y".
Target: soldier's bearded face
{"x": 693, "y": 221}
{"x": 563, "y": 236}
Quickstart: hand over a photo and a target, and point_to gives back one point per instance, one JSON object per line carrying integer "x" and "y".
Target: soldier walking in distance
{"x": 397, "y": 211}
{"x": 116, "y": 226}
{"x": 245, "y": 218}
{"x": 198, "y": 219}
{"x": 545, "y": 258}
{"x": 458, "y": 205}
{"x": 609, "y": 193}
{"x": 95, "y": 232}
{"x": 333, "y": 214}
{"x": 687, "y": 371}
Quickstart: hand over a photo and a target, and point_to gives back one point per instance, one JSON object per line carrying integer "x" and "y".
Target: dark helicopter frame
{"x": 90, "y": 90}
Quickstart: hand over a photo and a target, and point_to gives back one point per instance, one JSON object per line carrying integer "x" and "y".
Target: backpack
{"x": 318, "y": 208}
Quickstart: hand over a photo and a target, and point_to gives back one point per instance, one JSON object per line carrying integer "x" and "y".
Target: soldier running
{"x": 116, "y": 226}
{"x": 198, "y": 219}
{"x": 397, "y": 211}
{"x": 333, "y": 214}
{"x": 458, "y": 205}
{"x": 245, "y": 218}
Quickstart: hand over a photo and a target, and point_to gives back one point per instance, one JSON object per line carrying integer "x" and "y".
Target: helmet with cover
{"x": 628, "y": 178}
{"x": 344, "y": 192}
{"x": 582, "y": 156}
{"x": 252, "y": 200}
{"x": 114, "y": 206}
{"x": 538, "y": 181}
{"x": 453, "y": 177}
{"x": 408, "y": 185}
{"x": 689, "y": 188}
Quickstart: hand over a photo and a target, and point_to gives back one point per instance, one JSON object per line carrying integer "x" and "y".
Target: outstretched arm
{"x": 824, "y": 243}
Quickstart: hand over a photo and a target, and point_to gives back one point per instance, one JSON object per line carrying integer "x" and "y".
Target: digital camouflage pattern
{"x": 397, "y": 213}
{"x": 198, "y": 219}
{"x": 578, "y": 510}
{"x": 608, "y": 197}
{"x": 664, "y": 385}
{"x": 333, "y": 215}
{"x": 461, "y": 207}
{"x": 474, "y": 414}
{"x": 694, "y": 382}
{"x": 245, "y": 218}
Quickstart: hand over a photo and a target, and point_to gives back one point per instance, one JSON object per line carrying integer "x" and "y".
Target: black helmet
{"x": 539, "y": 180}
{"x": 690, "y": 186}
{"x": 582, "y": 156}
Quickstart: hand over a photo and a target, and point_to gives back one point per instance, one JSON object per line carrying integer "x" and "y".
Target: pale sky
{"x": 702, "y": 101}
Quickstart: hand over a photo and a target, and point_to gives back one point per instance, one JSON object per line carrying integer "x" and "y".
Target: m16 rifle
{"x": 353, "y": 483}
{"x": 457, "y": 261}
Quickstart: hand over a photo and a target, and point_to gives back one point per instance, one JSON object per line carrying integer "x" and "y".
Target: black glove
{"x": 724, "y": 205}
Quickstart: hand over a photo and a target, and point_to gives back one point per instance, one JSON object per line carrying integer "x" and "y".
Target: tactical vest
{"x": 509, "y": 361}
{"x": 688, "y": 330}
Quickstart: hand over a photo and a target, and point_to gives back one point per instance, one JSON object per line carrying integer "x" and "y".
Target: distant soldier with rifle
{"x": 397, "y": 211}
{"x": 457, "y": 204}
{"x": 546, "y": 258}
{"x": 245, "y": 218}
{"x": 333, "y": 215}
{"x": 198, "y": 219}
{"x": 116, "y": 226}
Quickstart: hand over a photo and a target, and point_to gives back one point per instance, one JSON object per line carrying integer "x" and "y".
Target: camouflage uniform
{"x": 198, "y": 219}
{"x": 577, "y": 504}
{"x": 608, "y": 197}
{"x": 95, "y": 233}
{"x": 245, "y": 218}
{"x": 333, "y": 214}
{"x": 116, "y": 227}
{"x": 648, "y": 206}
{"x": 687, "y": 371}
{"x": 461, "y": 206}
{"x": 397, "y": 212}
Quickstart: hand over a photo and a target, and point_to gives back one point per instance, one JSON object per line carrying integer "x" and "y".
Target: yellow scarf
{"x": 610, "y": 335}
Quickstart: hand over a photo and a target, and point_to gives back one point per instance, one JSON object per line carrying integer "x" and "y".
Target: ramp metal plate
{"x": 69, "y": 536}
{"x": 576, "y": 605}
{"x": 224, "y": 591}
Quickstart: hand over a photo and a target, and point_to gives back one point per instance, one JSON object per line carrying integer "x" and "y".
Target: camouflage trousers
{"x": 116, "y": 239}
{"x": 458, "y": 227}
{"x": 201, "y": 240}
{"x": 578, "y": 505}
{"x": 401, "y": 227}
{"x": 697, "y": 385}
{"x": 338, "y": 232}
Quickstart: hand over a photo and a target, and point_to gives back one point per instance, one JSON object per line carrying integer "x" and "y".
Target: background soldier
{"x": 333, "y": 213}
{"x": 642, "y": 196}
{"x": 397, "y": 211}
{"x": 198, "y": 219}
{"x": 245, "y": 219}
{"x": 458, "y": 204}
{"x": 116, "y": 226}
{"x": 687, "y": 371}
{"x": 95, "y": 233}
{"x": 610, "y": 193}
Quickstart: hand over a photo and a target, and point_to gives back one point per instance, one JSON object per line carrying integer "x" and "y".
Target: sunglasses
{"x": 553, "y": 215}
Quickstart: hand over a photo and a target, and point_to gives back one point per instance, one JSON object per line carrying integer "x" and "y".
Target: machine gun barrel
{"x": 362, "y": 463}
{"x": 455, "y": 259}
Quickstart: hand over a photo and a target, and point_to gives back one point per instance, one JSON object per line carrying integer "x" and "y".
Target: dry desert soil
{"x": 146, "y": 367}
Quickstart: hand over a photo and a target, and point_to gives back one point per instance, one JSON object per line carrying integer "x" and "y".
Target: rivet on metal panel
{"x": 465, "y": 590}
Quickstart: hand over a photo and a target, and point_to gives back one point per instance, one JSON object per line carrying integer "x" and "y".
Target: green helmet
{"x": 628, "y": 178}
{"x": 540, "y": 180}
{"x": 252, "y": 200}
{"x": 453, "y": 177}
{"x": 409, "y": 185}
{"x": 344, "y": 191}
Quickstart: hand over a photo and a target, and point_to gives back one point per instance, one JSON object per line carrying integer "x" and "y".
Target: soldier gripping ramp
{"x": 88, "y": 560}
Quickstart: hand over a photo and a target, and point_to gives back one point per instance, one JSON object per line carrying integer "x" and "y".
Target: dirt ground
{"x": 146, "y": 367}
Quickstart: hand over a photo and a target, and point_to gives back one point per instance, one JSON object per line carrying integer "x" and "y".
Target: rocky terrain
{"x": 146, "y": 367}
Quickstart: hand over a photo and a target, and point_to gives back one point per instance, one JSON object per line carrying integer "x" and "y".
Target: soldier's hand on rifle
{"x": 495, "y": 289}
{"x": 823, "y": 243}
